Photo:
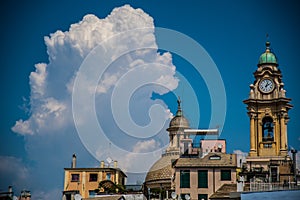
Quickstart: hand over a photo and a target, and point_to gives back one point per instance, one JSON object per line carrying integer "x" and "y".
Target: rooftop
{"x": 210, "y": 160}
{"x": 224, "y": 191}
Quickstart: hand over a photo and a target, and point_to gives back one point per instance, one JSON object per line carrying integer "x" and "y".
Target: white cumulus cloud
{"x": 52, "y": 82}
{"x": 50, "y": 123}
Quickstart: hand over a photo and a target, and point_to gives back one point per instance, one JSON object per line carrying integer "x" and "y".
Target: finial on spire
{"x": 179, "y": 112}
{"x": 179, "y": 102}
{"x": 267, "y": 43}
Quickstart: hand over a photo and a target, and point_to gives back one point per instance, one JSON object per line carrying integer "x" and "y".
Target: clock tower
{"x": 268, "y": 107}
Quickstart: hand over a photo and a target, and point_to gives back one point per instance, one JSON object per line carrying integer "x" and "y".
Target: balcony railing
{"x": 273, "y": 186}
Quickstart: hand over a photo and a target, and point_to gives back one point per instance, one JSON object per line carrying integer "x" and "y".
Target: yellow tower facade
{"x": 268, "y": 107}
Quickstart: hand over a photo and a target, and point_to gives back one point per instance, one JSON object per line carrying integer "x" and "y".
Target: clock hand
{"x": 267, "y": 84}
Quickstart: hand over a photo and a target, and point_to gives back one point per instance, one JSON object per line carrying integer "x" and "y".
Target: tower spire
{"x": 179, "y": 111}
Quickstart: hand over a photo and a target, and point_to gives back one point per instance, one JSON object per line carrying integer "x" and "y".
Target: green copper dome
{"x": 267, "y": 56}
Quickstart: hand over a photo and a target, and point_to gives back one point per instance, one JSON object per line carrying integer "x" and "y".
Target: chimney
{"x": 102, "y": 164}
{"x": 115, "y": 164}
{"x": 73, "y": 161}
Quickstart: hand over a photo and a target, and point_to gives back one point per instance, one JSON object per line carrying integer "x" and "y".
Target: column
{"x": 84, "y": 195}
{"x": 117, "y": 177}
{"x": 276, "y": 134}
{"x": 67, "y": 180}
{"x": 282, "y": 133}
{"x": 252, "y": 135}
{"x": 259, "y": 135}
{"x": 175, "y": 140}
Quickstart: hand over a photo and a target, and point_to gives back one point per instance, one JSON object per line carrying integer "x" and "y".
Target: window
{"x": 108, "y": 176}
{"x": 274, "y": 174}
{"x": 184, "y": 178}
{"x": 93, "y": 177}
{"x": 215, "y": 157}
{"x": 75, "y": 177}
{"x": 202, "y": 179}
{"x": 225, "y": 175}
{"x": 267, "y": 129}
{"x": 202, "y": 196}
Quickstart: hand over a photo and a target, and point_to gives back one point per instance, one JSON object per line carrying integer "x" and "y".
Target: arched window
{"x": 267, "y": 129}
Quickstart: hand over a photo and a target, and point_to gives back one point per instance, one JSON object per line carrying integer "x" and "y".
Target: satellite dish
{"x": 77, "y": 197}
{"x": 173, "y": 195}
{"x": 187, "y": 197}
{"x": 15, "y": 198}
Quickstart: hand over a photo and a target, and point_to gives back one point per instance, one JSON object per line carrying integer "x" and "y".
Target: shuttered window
{"x": 202, "y": 179}
{"x": 225, "y": 175}
{"x": 184, "y": 178}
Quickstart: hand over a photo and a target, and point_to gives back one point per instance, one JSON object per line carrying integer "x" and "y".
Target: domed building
{"x": 161, "y": 174}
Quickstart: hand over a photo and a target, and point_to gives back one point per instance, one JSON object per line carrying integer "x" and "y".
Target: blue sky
{"x": 233, "y": 33}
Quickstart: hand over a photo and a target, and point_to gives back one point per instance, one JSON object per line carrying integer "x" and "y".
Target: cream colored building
{"x": 84, "y": 181}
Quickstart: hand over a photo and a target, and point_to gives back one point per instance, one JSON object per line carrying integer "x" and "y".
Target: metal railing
{"x": 254, "y": 186}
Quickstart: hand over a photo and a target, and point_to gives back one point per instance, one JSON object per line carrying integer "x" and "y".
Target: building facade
{"x": 204, "y": 170}
{"x": 85, "y": 181}
{"x": 199, "y": 178}
{"x": 268, "y": 108}
{"x": 164, "y": 177}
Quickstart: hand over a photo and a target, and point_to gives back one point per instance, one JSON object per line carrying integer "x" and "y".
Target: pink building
{"x": 202, "y": 177}
{"x": 213, "y": 146}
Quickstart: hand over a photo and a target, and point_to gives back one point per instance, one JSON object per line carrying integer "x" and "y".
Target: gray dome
{"x": 179, "y": 121}
{"x": 161, "y": 171}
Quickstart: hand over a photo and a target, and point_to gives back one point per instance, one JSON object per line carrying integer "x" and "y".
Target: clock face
{"x": 266, "y": 85}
